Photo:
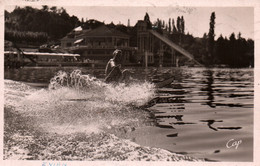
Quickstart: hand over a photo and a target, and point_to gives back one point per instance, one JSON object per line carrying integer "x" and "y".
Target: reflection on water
{"x": 209, "y": 76}
{"x": 197, "y": 114}
{"x": 210, "y": 123}
{"x": 201, "y": 111}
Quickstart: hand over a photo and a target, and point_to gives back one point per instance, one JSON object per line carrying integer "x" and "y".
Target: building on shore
{"x": 97, "y": 45}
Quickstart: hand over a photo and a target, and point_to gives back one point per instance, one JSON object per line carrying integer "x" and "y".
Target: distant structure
{"x": 97, "y": 45}
{"x": 15, "y": 57}
{"x": 153, "y": 46}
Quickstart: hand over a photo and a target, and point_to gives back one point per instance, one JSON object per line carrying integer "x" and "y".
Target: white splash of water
{"x": 134, "y": 93}
{"x": 75, "y": 103}
{"x": 75, "y": 80}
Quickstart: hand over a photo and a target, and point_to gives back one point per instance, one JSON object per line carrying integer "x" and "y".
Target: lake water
{"x": 202, "y": 113}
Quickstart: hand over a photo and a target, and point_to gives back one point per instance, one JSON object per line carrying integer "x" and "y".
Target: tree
{"x": 239, "y": 36}
{"x": 53, "y": 23}
{"x": 170, "y": 27}
{"x": 221, "y": 50}
{"x": 182, "y": 25}
{"x": 53, "y": 9}
{"x": 163, "y": 24}
{"x": 45, "y": 8}
{"x": 92, "y": 24}
{"x": 211, "y": 36}
{"x": 231, "y": 50}
{"x": 174, "y": 30}
{"x": 205, "y": 36}
{"x": 159, "y": 26}
{"x": 178, "y": 24}
{"x": 82, "y": 21}
{"x": 147, "y": 20}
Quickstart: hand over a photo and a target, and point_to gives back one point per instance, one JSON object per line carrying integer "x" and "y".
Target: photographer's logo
{"x": 233, "y": 143}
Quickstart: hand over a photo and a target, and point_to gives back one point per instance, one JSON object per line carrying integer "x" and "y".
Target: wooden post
{"x": 18, "y": 56}
{"x": 160, "y": 55}
{"x": 172, "y": 57}
{"x": 146, "y": 59}
{"x": 177, "y": 61}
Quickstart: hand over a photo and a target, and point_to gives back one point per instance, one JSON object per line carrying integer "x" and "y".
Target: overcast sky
{"x": 228, "y": 19}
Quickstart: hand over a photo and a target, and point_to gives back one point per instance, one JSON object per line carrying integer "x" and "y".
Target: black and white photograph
{"x": 120, "y": 82}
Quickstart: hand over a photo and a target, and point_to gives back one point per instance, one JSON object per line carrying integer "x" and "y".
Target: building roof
{"x": 74, "y": 34}
{"x": 79, "y": 28}
{"x": 78, "y": 41}
{"x": 67, "y": 38}
{"x": 104, "y": 30}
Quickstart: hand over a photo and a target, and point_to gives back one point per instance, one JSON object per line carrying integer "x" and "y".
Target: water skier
{"x": 113, "y": 68}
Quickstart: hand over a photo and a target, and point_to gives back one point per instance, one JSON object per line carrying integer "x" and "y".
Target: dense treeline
{"x": 232, "y": 51}
{"x": 54, "y": 22}
{"x": 235, "y": 52}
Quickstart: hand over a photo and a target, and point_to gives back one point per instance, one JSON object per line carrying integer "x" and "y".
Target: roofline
{"x": 107, "y": 36}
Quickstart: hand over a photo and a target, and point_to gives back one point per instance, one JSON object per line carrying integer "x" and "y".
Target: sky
{"x": 228, "y": 19}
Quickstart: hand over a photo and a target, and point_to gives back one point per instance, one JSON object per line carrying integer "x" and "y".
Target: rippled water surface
{"x": 202, "y": 113}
